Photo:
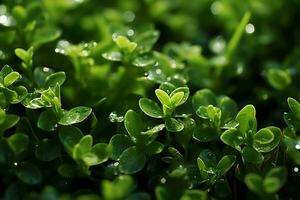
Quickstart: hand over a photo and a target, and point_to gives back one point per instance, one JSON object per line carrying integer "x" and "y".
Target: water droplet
{"x": 249, "y": 28}
{"x": 297, "y": 146}
{"x": 114, "y": 36}
{"x": 116, "y": 164}
{"x": 46, "y": 69}
{"x": 216, "y": 7}
{"x": 85, "y": 53}
{"x": 129, "y": 16}
{"x": 218, "y": 44}
{"x": 114, "y": 117}
{"x": 61, "y": 46}
{"x": 296, "y": 169}
{"x": 130, "y": 32}
{"x": 158, "y": 71}
{"x": 15, "y": 164}
{"x": 163, "y": 180}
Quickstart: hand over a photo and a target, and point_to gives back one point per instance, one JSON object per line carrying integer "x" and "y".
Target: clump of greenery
{"x": 167, "y": 99}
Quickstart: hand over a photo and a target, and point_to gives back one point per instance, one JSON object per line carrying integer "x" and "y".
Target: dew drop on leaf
{"x": 114, "y": 117}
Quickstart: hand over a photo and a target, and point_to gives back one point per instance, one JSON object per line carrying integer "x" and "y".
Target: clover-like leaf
{"x": 154, "y": 148}
{"x": 250, "y": 155}
{"x": 11, "y": 78}
{"x": 29, "y": 174}
{"x": 132, "y": 160}
{"x": 18, "y": 142}
{"x": 118, "y": 143}
{"x": 10, "y": 121}
{"x": 56, "y": 78}
{"x": 75, "y": 115}
{"x": 204, "y": 97}
{"x": 225, "y": 164}
{"x": 99, "y": 153}
{"x": 133, "y": 124}
{"x": 47, "y": 121}
{"x": 255, "y": 183}
{"x": 247, "y": 120}
{"x": 48, "y": 150}
{"x": 69, "y": 137}
{"x": 205, "y": 134}
{"x": 267, "y": 139}
{"x": 82, "y": 147}
{"x": 163, "y": 97}
{"x": 173, "y": 125}
{"x": 233, "y": 138}
{"x": 186, "y": 93}
{"x": 176, "y": 99}
{"x": 150, "y": 108}
{"x": 294, "y": 106}
{"x": 275, "y": 179}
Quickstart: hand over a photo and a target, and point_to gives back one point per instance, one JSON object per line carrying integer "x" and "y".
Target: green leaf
{"x": 278, "y": 78}
{"x": 146, "y": 40}
{"x": 44, "y": 35}
{"x": 176, "y": 99}
{"x": 255, "y": 183}
{"x": 69, "y": 137}
{"x": 247, "y": 120}
{"x": 29, "y": 174}
{"x": 275, "y": 179}
{"x": 48, "y": 150}
{"x": 176, "y": 154}
{"x": 202, "y": 168}
{"x": 263, "y": 136}
{"x": 154, "y": 148}
{"x": 154, "y": 130}
{"x": 225, "y": 164}
{"x": 186, "y": 93}
{"x": 267, "y": 145}
{"x": 173, "y": 125}
{"x": 118, "y": 143}
{"x": 124, "y": 183}
{"x": 150, "y": 108}
{"x": 161, "y": 193}
{"x": 228, "y": 109}
{"x": 163, "y": 97}
{"x": 84, "y": 146}
{"x": 22, "y": 54}
{"x": 204, "y": 97}
{"x": 233, "y": 138}
{"x": 47, "y": 121}
{"x": 250, "y": 155}
{"x": 132, "y": 160}
{"x": 209, "y": 159}
{"x": 18, "y": 142}
{"x": 11, "y": 78}
{"x": 2, "y": 115}
{"x": 294, "y": 106}
{"x": 205, "y": 134}
{"x": 194, "y": 195}
{"x": 102, "y": 151}
{"x": 10, "y": 121}
{"x": 133, "y": 124}
{"x": 125, "y": 44}
{"x": 54, "y": 79}
{"x": 75, "y": 115}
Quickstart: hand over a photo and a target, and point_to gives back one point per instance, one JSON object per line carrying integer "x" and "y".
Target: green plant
{"x": 149, "y": 99}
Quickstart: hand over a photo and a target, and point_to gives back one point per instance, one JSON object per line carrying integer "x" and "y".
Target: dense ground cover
{"x": 166, "y": 99}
